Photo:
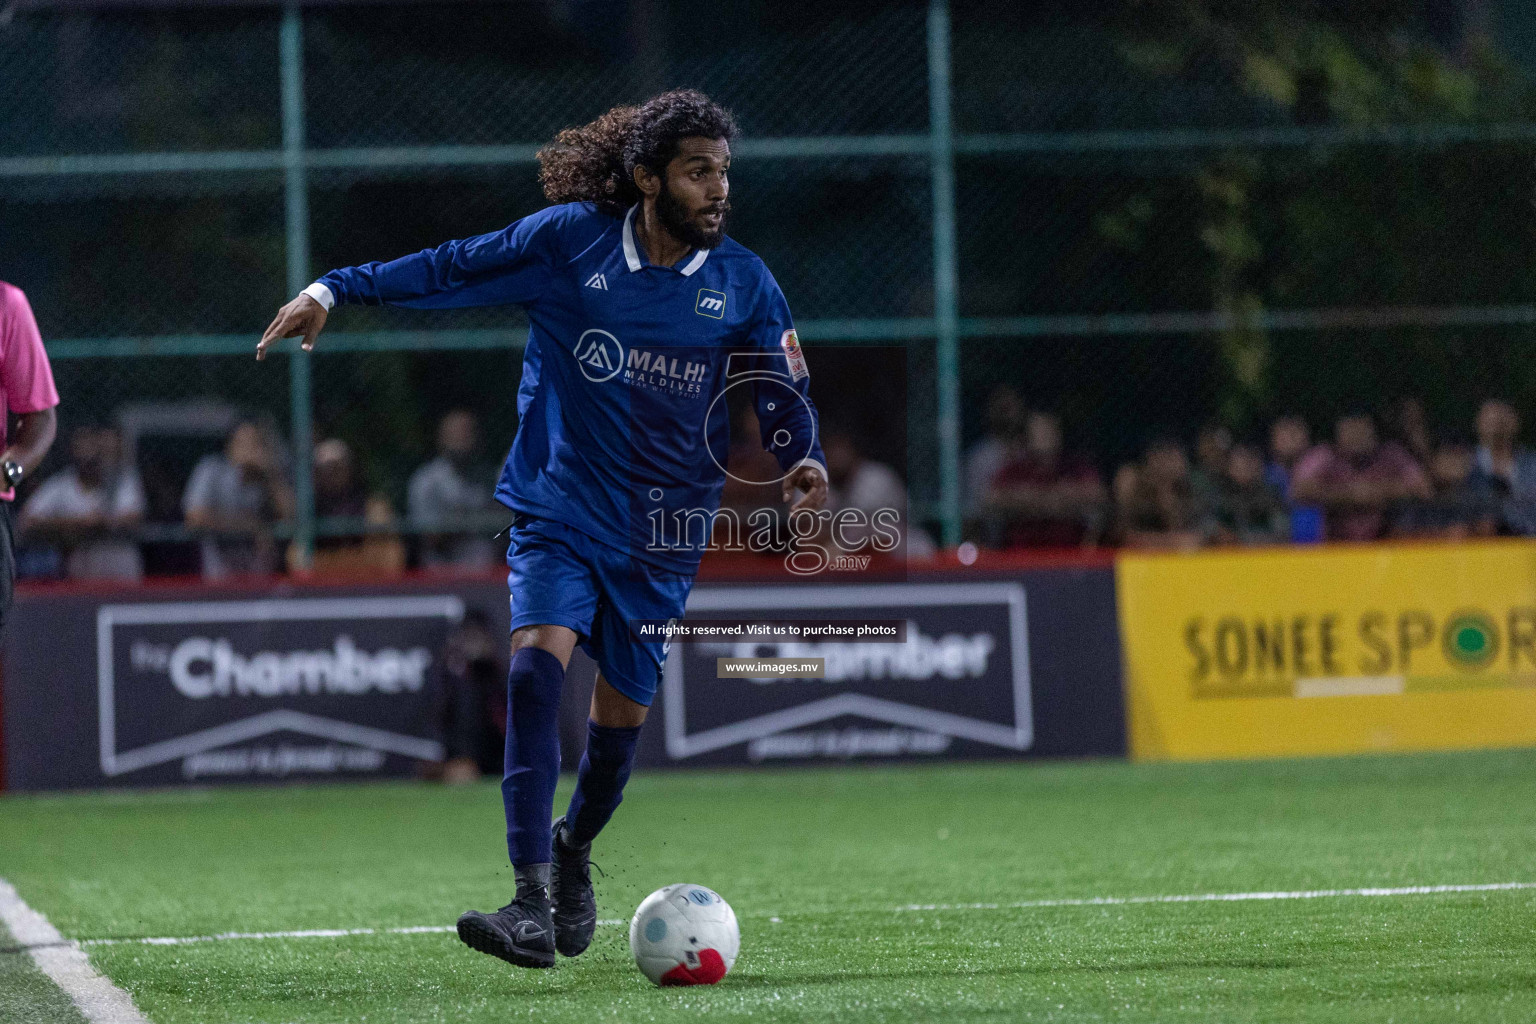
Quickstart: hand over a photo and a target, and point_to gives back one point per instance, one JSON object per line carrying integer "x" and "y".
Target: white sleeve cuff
{"x": 818, "y": 467}
{"x": 321, "y": 294}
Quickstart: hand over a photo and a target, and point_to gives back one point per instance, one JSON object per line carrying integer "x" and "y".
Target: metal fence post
{"x": 945, "y": 287}
{"x": 296, "y": 197}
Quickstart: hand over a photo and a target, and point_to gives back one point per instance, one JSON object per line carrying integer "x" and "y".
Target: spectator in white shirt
{"x": 89, "y": 508}
{"x": 855, "y": 482}
{"x": 233, "y": 499}
{"x": 1005, "y": 425}
{"x": 448, "y": 497}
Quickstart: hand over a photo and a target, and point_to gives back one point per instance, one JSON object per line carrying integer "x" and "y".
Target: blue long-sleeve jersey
{"x": 623, "y": 421}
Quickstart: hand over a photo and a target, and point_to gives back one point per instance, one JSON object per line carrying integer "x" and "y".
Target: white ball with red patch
{"x": 684, "y": 935}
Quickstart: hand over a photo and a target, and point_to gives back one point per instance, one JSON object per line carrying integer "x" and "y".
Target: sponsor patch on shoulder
{"x": 791, "y": 345}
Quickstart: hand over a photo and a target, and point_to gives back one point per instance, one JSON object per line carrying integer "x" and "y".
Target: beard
{"x": 675, "y": 217}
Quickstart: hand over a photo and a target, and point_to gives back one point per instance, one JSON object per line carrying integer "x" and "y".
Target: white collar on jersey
{"x": 632, "y": 254}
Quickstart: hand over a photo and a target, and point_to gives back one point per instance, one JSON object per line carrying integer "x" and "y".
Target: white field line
{"x": 1089, "y": 901}
{"x": 1224, "y": 897}
{"x": 307, "y": 933}
{"x": 100, "y": 1001}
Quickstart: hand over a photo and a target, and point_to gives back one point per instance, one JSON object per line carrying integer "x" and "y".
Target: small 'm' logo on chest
{"x": 711, "y": 303}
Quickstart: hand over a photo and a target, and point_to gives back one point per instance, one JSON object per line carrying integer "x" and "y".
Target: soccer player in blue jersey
{"x": 639, "y": 303}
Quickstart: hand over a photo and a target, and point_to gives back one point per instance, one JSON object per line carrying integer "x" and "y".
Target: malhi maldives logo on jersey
{"x": 602, "y": 357}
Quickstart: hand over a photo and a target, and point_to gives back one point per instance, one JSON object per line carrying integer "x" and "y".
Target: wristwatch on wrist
{"x": 13, "y": 472}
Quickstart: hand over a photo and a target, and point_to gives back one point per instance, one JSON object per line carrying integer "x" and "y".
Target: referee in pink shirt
{"x": 27, "y": 393}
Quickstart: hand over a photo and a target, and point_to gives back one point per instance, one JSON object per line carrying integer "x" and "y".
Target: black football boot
{"x": 571, "y": 887}
{"x": 522, "y": 933}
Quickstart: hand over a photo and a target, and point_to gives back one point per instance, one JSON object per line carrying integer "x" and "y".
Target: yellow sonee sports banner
{"x": 1329, "y": 650}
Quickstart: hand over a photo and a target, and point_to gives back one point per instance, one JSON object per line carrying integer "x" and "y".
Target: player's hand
{"x": 303, "y": 317}
{"x": 812, "y": 484}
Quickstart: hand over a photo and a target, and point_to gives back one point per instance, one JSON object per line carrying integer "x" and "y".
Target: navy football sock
{"x": 533, "y": 753}
{"x": 600, "y": 781}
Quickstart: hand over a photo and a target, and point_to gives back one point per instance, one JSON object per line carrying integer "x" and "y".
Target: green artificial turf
{"x": 816, "y": 864}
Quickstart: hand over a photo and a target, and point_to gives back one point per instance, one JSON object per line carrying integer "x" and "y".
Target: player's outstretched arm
{"x": 303, "y": 317}
{"x": 506, "y": 267}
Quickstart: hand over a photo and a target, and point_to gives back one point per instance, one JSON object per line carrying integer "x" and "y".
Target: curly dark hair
{"x": 595, "y": 163}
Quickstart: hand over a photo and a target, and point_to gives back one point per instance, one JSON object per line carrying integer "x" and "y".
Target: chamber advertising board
{"x": 224, "y": 690}
{"x": 957, "y": 683}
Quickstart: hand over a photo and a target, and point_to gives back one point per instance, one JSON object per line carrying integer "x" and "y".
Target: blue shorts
{"x": 562, "y": 577}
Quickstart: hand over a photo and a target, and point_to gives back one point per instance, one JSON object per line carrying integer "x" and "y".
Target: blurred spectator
{"x": 1247, "y": 509}
{"x": 1005, "y": 423}
{"x": 473, "y": 705}
{"x": 89, "y": 507}
{"x": 860, "y": 483}
{"x": 1154, "y": 504}
{"x": 1212, "y": 446}
{"x": 1289, "y": 439}
{"x": 234, "y": 498}
{"x": 449, "y": 498}
{"x": 1357, "y": 479}
{"x": 1043, "y": 497}
{"x": 1505, "y": 469}
{"x": 1410, "y": 428}
{"x": 340, "y": 494}
{"x": 1460, "y": 507}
